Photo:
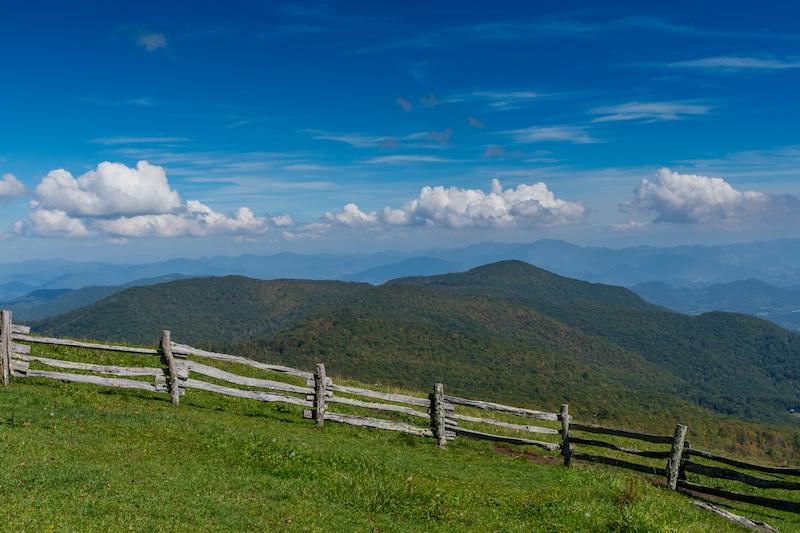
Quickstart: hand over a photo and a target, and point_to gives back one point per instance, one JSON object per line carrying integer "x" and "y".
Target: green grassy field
{"x": 83, "y": 458}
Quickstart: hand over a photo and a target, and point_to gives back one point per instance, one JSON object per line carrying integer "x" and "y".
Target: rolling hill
{"x": 508, "y": 331}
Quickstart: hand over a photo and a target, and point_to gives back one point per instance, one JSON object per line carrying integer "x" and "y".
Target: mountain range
{"x": 774, "y": 262}
{"x": 687, "y": 279}
{"x": 507, "y": 331}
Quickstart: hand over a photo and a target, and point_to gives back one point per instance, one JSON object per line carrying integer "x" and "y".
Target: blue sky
{"x": 361, "y": 126}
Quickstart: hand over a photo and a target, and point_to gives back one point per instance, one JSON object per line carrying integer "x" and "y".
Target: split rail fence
{"x": 180, "y": 368}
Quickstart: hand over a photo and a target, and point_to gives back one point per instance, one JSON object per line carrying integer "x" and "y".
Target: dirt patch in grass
{"x": 530, "y": 456}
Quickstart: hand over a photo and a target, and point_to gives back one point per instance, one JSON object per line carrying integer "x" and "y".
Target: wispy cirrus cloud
{"x": 324, "y": 17}
{"x": 112, "y": 141}
{"x": 358, "y": 140}
{"x": 401, "y": 159}
{"x": 562, "y": 26}
{"x": 308, "y": 167}
{"x": 419, "y": 139}
{"x": 497, "y": 100}
{"x": 649, "y": 111}
{"x": 441, "y": 138}
{"x": 559, "y": 133}
{"x": 125, "y": 102}
{"x": 738, "y": 63}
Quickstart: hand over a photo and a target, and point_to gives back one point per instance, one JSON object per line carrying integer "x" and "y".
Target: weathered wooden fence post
{"x": 172, "y": 367}
{"x": 438, "y": 425}
{"x": 320, "y": 390}
{"x": 563, "y": 415}
{"x": 674, "y": 461}
{"x": 5, "y": 346}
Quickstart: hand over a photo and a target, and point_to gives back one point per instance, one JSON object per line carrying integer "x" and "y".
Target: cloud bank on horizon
{"x": 118, "y": 201}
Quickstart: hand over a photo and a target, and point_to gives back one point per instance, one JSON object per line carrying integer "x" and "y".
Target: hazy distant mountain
{"x": 13, "y": 289}
{"x": 414, "y": 266}
{"x": 775, "y": 262}
{"x": 778, "y": 304}
{"x": 43, "y": 303}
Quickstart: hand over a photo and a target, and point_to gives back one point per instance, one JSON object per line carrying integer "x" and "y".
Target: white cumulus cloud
{"x": 281, "y": 221}
{"x": 631, "y": 225}
{"x": 312, "y": 231}
{"x": 120, "y": 201}
{"x": 692, "y": 198}
{"x": 196, "y": 220}
{"x": 110, "y": 189}
{"x": 454, "y": 207}
{"x": 352, "y": 217}
{"x": 10, "y": 186}
{"x": 525, "y": 205}
{"x": 50, "y": 223}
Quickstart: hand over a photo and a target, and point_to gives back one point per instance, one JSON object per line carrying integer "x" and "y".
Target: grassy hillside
{"x": 508, "y": 331}
{"x": 78, "y": 459}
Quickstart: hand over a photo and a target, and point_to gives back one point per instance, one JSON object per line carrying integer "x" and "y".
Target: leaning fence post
{"x": 674, "y": 461}
{"x": 5, "y": 346}
{"x": 320, "y": 390}
{"x": 172, "y": 367}
{"x": 565, "y": 451}
{"x": 438, "y": 425}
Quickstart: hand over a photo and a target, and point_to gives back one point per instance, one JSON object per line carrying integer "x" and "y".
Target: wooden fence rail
{"x": 658, "y": 439}
{"x": 439, "y": 416}
{"x": 727, "y": 473}
{"x": 693, "y": 452}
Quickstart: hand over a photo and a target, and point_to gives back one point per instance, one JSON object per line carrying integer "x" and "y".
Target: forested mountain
{"x": 507, "y": 330}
